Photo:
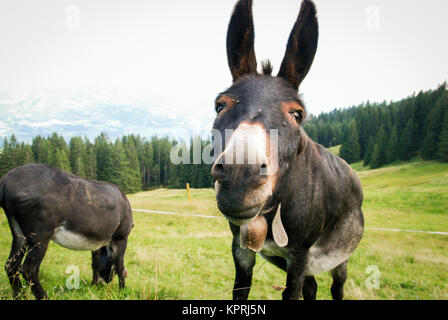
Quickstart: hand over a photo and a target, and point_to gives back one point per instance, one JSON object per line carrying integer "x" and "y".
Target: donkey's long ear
{"x": 302, "y": 45}
{"x": 240, "y": 41}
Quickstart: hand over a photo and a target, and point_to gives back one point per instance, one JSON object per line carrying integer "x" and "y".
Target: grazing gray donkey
{"x": 43, "y": 203}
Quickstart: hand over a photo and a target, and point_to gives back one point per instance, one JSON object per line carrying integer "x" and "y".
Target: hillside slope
{"x": 189, "y": 257}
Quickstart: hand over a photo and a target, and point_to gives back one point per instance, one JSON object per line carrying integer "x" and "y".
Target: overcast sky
{"x": 174, "y": 51}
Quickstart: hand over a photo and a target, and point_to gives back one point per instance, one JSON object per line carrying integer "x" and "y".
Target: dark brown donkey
{"x": 300, "y": 206}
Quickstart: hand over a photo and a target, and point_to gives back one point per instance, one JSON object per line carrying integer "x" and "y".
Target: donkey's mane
{"x": 266, "y": 67}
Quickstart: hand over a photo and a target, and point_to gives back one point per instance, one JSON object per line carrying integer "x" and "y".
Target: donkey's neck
{"x": 307, "y": 167}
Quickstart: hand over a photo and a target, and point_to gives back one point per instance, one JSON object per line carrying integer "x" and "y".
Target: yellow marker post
{"x": 188, "y": 192}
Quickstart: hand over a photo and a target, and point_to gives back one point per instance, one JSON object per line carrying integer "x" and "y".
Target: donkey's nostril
{"x": 263, "y": 169}
{"x": 218, "y": 171}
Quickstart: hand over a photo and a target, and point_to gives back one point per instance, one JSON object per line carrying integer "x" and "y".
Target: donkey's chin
{"x": 242, "y": 217}
{"x": 241, "y": 209}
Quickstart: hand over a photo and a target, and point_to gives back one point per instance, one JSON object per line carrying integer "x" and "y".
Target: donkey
{"x": 298, "y": 207}
{"x": 43, "y": 203}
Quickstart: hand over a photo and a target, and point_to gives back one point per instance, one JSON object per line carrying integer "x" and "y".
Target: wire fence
{"x": 218, "y": 217}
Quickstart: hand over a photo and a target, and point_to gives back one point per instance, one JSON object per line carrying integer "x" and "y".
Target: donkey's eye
{"x": 297, "y": 114}
{"x": 219, "y": 107}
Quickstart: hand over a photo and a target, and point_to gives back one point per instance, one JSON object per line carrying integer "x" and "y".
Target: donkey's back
{"x": 39, "y": 196}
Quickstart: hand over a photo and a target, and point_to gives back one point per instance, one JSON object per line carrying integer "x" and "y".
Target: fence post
{"x": 188, "y": 192}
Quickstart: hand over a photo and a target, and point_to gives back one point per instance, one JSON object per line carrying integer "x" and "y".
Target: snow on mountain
{"x": 71, "y": 112}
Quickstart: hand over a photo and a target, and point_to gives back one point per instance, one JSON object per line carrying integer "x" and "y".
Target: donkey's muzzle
{"x": 250, "y": 174}
{"x": 244, "y": 173}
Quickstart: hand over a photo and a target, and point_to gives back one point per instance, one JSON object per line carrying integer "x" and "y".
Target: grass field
{"x": 178, "y": 257}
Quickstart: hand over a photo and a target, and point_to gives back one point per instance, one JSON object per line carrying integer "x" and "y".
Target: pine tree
{"x": 369, "y": 151}
{"x": 15, "y": 155}
{"x": 442, "y": 152}
{"x": 89, "y": 160}
{"x": 41, "y": 150}
{"x": 58, "y": 152}
{"x": 350, "y": 150}
{"x": 392, "y": 146}
{"x": 76, "y": 150}
{"x": 61, "y": 160}
{"x": 434, "y": 128}
{"x": 146, "y": 162}
{"x": 407, "y": 141}
{"x": 26, "y": 154}
{"x": 363, "y": 121}
{"x": 311, "y": 131}
{"x": 132, "y": 166}
{"x": 375, "y": 160}
{"x": 155, "y": 171}
{"x": 4, "y": 155}
{"x": 104, "y": 158}
{"x": 381, "y": 142}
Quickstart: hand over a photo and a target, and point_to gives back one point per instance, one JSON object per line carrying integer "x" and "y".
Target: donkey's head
{"x": 106, "y": 267}
{"x": 260, "y": 116}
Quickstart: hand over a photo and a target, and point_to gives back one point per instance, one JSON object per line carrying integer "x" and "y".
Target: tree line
{"x": 376, "y": 133}
{"x": 131, "y": 162}
{"x": 381, "y": 133}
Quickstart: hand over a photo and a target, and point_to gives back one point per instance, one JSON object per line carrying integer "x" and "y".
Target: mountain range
{"x": 74, "y": 112}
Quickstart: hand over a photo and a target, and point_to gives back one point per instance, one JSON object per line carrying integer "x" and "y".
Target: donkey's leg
{"x": 119, "y": 248}
{"x": 309, "y": 288}
{"x": 37, "y": 246}
{"x": 339, "y": 276}
{"x": 14, "y": 261}
{"x": 96, "y": 265}
{"x": 295, "y": 275}
{"x": 244, "y": 260}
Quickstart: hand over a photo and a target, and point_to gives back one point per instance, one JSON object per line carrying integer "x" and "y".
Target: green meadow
{"x": 186, "y": 257}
